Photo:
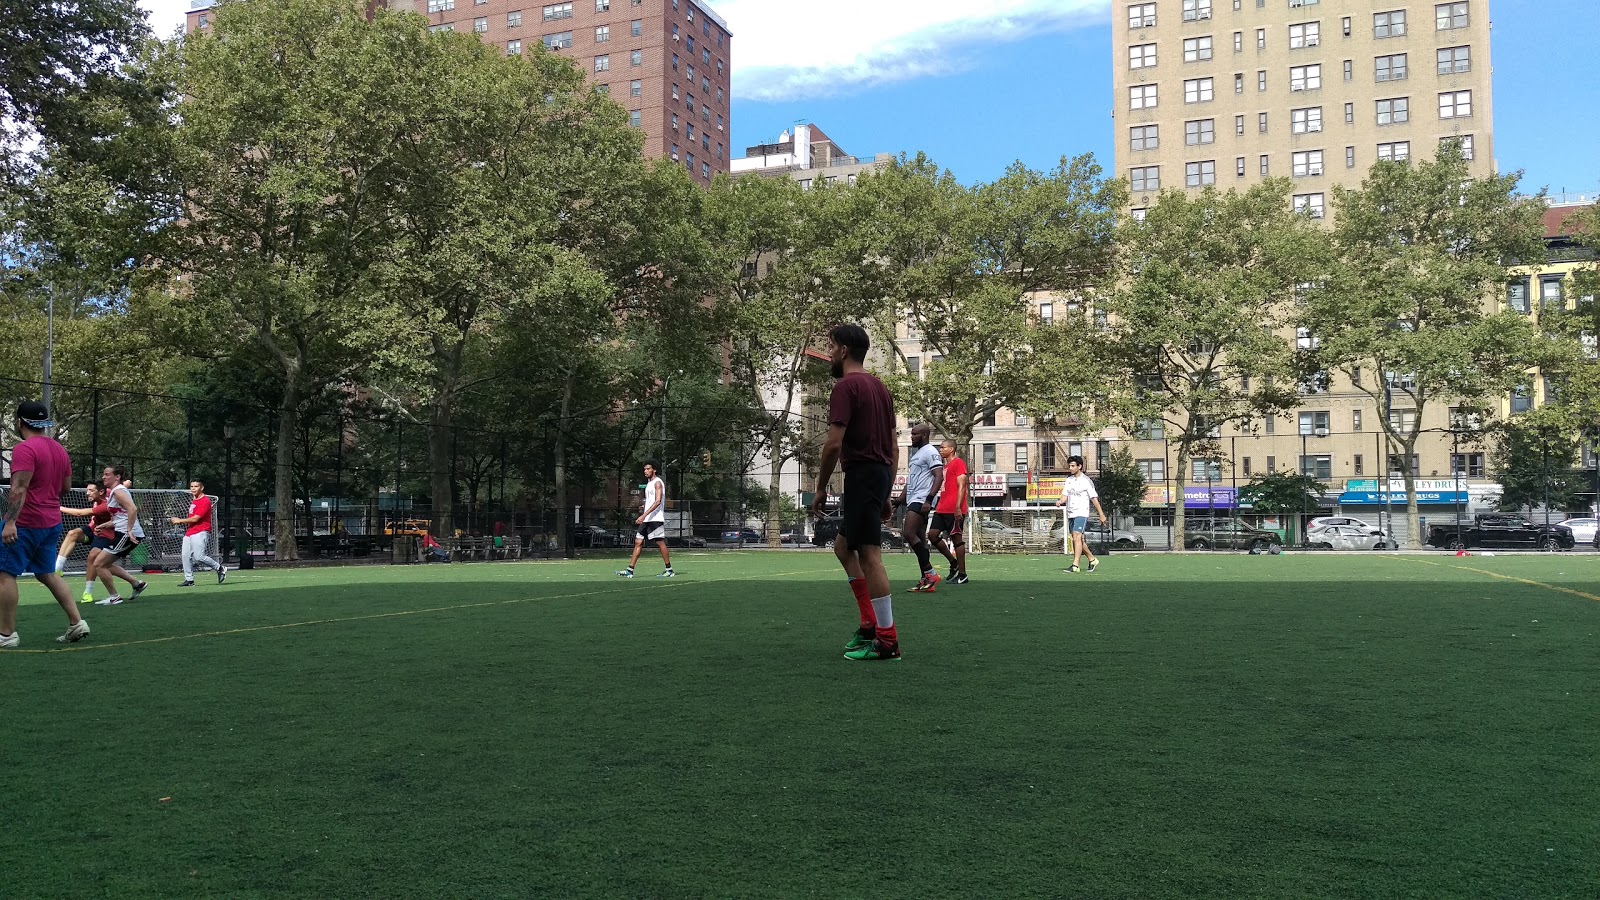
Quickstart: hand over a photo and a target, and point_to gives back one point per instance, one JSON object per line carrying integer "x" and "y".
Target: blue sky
{"x": 994, "y": 81}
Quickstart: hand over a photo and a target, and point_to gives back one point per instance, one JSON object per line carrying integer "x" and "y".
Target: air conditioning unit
{"x": 1321, "y": 432}
{"x": 988, "y": 467}
{"x": 1314, "y": 170}
{"x": 674, "y": 38}
{"x": 1149, "y": 22}
{"x": 1312, "y": 42}
{"x": 1204, "y": 14}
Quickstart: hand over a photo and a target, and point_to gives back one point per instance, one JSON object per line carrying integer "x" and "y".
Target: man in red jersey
{"x": 40, "y": 473}
{"x": 949, "y": 512}
{"x": 861, "y": 441}
{"x": 197, "y": 536}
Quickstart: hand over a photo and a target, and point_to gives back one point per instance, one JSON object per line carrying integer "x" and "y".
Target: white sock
{"x": 884, "y": 608}
{"x": 88, "y": 586}
{"x": 61, "y": 564}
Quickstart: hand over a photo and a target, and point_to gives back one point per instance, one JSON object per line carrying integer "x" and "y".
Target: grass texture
{"x": 1171, "y": 726}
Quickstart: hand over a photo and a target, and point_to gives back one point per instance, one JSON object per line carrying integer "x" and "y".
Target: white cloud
{"x": 786, "y": 51}
{"x": 166, "y": 16}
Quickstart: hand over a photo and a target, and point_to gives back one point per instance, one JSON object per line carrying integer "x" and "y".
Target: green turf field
{"x": 1201, "y": 726}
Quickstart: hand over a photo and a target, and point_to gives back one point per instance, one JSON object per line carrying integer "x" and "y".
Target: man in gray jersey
{"x": 924, "y": 473}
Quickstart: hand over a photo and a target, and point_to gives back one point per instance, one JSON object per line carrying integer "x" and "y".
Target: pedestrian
{"x": 950, "y": 513}
{"x": 197, "y": 535}
{"x": 40, "y": 473}
{"x": 924, "y": 474}
{"x": 1077, "y": 493}
{"x": 652, "y": 524}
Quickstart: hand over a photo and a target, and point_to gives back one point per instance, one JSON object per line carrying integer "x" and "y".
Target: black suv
{"x": 1226, "y": 534}
{"x": 1500, "y": 531}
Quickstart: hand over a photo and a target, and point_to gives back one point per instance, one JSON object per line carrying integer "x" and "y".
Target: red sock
{"x": 869, "y": 619}
{"x": 888, "y": 636}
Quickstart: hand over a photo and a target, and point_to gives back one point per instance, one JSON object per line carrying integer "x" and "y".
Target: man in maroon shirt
{"x": 861, "y": 440}
{"x": 40, "y": 472}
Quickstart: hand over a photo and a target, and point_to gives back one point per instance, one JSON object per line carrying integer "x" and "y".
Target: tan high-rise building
{"x": 1227, "y": 92}
{"x": 669, "y": 62}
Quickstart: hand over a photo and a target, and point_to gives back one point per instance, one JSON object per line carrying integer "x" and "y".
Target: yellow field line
{"x": 1501, "y": 575}
{"x": 388, "y": 615}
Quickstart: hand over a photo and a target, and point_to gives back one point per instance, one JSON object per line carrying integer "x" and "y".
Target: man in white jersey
{"x": 652, "y": 523}
{"x": 924, "y": 475}
{"x": 125, "y": 520}
{"x": 1077, "y": 493}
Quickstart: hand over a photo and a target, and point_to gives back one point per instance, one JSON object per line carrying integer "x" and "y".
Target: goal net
{"x": 1017, "y": 530}
{"x": 162, "y": 546}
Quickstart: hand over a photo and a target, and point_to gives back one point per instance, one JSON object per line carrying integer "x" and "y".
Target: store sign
{"x": 1204, "y": 498}
{"x": 1430, "y": 491}
{"x": 987, "y": 484}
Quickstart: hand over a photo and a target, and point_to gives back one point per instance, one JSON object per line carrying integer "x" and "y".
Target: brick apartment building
{"x": 668, "y": 62}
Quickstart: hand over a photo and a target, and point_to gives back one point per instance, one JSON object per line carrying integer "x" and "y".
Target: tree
{"x": 1535, "y": 455}
{"x": 1422, "y": 251}
{"x": 1120, "y": 483}
{"x": 1282, "y": 493}
{"x": 954, "y": 269}
{"x": 1194, "y": 321}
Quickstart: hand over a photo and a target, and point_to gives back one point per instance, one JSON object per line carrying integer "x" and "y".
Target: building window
{"x": 1345, "y": 23}
{"x": 1462, "y": 141}
{"x": 1305, "y": 78}
{"x": 1144, "y": 179}
{"x": 1264, "y": 164}
{"x": 1238, "y": 42}
{"x": 1261, "y": 122}
{"x": 1466, "y": 464}
{"x": 1306, "y": 163}
{"x": 1261, "y": 80}
{"x": 1196, "y": 49}
{"x": 1455, "y": 60}
{"x": 200, "y": 21}
{"x": 1141, "y": 56}
{"x": 637, "y": 58}
{"x": 1314, "y": 423}
{"x": 1238, "y": 82}
{"x": 1399, "y": 151}
{"x": 1305, "y": 121}
{"x": 1238, "y": 166}
{"x": 602, "y": 5}
{"x": 1238, "y": 124}
{"x": 1047, "y": 456}
{"x": 1455, "y": 104}
{"x": 602, "y": 34}
{"x": 1550, "y": 292}
{"x": 558, "y": 41}
{"x": 1144, "y": 137}
{"x": 1311, "y": 204}
{"x": 1355, "y": 420}
{"x": 1296, "y": 4}
{"x": 1308, "y": 34}
{"x": 988, "y": 458}
{"x": 602, "y": 63}
{"x": 1142, "y": 15}
{"x": 1349, "y": 71}
{"x": 603, "y": 90}
{"x": 514, "y": 19}
{"x": 634, "y": 118}
{"x": 513, "y": 48}
{"x": 438, "y": 6}
{"x": 1199, "y": 131}
{"x": 1390, "y": 68}
{"x": 557, "y": 11}
{"x": 1261, "y": 39}
{"x": 635, "y": 88}
{"x": 1447, "y": 16}
{"x": 1244, "y": 466}
{"x": 1153, "y": 471}
{"x": 1047, "y": 314}
{"x": 480, "y": 25}
{"x": 1349, "y": 157}
{"x": 1394, "y": 112}
{"x": 1195, "y": 10}
{"x": 1142, "y": 96}
{"x": 636, "y": 28}
{"x": 1389, "y": 24}
{"x": 1318, "y": 466}
{"x": 1197, "y": 90}
{"x": 1517, "y": 295}
{"x": 1149, "y": 430}
{"x": 1198, "y": 174}
{"x": 1205, "y": 471}
{"x": 1521, "y": 400}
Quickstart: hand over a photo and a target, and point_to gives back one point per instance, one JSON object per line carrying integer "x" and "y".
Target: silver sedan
{"x": 1345, "y": 537}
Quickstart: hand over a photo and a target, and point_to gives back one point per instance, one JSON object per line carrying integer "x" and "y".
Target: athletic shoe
{"x": 959, "y": 579}
{"x": 186, "y": 584}
{"x": 1071, "y": 570}
{"x": 74, "y": 634}
{"x": 1094, "y": 564}
{"x": 625, "y": 573}
{"x": 139, "y": 589}
{"x": 9, "y": 641}
{"x": 112, "y": 600}
{"x": 927, "y": 585}
{"x": 953, "y": 574}
{"x": 222, "y": 574}
{"x": 88, "y": 597}
{"x": 668, "y": 574}
{"x": 862, "y": 638}
{"x": 875, "y": 651}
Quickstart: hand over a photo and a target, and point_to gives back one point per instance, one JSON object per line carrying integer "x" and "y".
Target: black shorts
{"x": 947, "y": 523}
{"x": 81, "y": 533}
{"x": 101, "y": 542}
{"x": 651, "y": 531}
{"x": 122, "y": 546}
{"x": 866, "y": 490}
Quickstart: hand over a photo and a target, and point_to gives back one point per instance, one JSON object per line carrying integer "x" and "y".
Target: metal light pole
{"x": 227, "y": 488}
{"x": 1455, "y": 465}
{"x": 49, "y": 346}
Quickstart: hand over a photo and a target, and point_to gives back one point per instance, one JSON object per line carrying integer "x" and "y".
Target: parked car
{"x": 795, "y": 535}
{"x": 1363, "y": 524}
{"x": 1584, "y": 530}
{"x": 1348, "y": 537}
{"x": 685, "y": 540}
{"x": 413, "y": 527}
{"x": 595, "y": 536}
{"x": 1500, "y": 530}
{"x": 743, "y": 536}
{"x": 1102, "y": 539}
{"x": 1228, "y": 534}
{"x": 827, "y": 528}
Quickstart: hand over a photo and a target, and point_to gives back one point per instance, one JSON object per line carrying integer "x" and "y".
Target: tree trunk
{"x": 441, "y": 480}
{"x": 1178, "y": 505}
{"x": 774, "y": 485}
{"x": 563, "y": 527}
{"x": 1414, "y": 534}
{"x": 285, "y": 549}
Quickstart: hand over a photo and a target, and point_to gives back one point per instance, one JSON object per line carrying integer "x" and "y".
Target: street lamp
{"x": 49, "y": 345}
{"x": 1455, "y": 468}
{"x": 228, "y": 433}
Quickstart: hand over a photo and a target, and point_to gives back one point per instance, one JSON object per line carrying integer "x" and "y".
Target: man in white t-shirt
{"x": 1077, "y": 493}
{"x": 652, "y": 523}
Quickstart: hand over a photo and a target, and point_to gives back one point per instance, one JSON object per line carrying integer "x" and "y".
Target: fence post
{"x": 94, "y": 438}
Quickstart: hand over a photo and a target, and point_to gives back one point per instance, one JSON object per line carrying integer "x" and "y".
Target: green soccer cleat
{"x": 88, "y": 597}
{"x": 862, "y": 638}
{"x": 874, "y": 652}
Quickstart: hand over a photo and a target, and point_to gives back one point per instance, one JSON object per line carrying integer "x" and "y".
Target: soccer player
{"x": 652, "y": 523}
{"x": 923, "y": 475}
{"x": 40, "y": 473}
{"x": 950, "y": 511}
{"x": 861, "y": 441}
{"x": 125, "y": 520}
{"x": 197, "y": 538}
{"x": 98, "y": 533}
{"x": 1077, "y": 492}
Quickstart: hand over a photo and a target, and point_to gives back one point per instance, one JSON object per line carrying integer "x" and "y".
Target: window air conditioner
{"x": 1321, "y": 432}
{"x": 988, "y": 467}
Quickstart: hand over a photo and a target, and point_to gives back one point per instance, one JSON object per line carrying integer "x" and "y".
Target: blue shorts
{"x": 1076, "y": 524}
{"x": 34, "y": 551}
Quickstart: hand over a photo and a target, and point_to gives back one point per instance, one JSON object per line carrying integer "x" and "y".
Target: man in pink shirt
{"x": 40, "y": 474}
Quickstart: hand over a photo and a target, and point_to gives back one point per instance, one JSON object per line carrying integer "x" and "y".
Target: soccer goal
{"x": 162, "y": 546}
{"x": 1017, "y": 530}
